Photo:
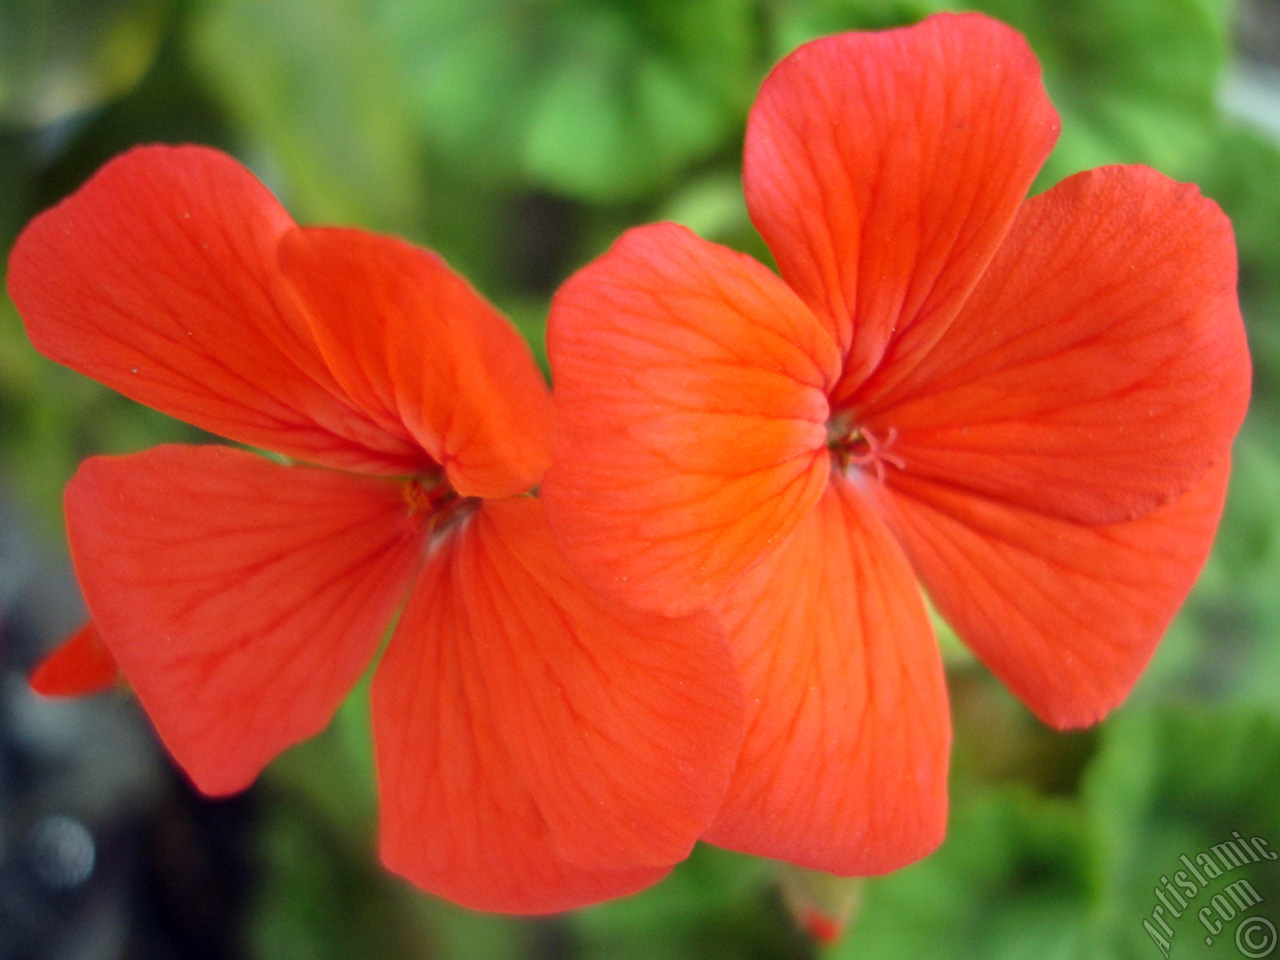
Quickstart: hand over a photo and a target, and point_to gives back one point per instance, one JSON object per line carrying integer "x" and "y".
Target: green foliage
{"x": 1135, "y": 81}
{"x": 52, "y": 419}
{"x": 596, "y": 99}
{"x": 1176, "y": 782}
{"x": 1027, "y": 875}
{"x": 309, "y": 82}
{"x": 59, "y": 58}
{"x": 716, "y": 905}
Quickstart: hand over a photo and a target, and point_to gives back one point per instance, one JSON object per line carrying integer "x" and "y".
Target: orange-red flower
{"x": 538, "y": 746}
{"x": 80, "y": 666}
{"x": 1025, "y": 405}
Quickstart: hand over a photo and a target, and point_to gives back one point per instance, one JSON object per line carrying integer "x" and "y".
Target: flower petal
{"x": 845, "y": 764}
{"x": 691, "y": 415}
{"x": 883, "y": 170}
{"x": 412, "y": 341}
{"x": 81, "y": 665}
{"x": 242, "y": 599}
{"x": 159, "y": 278}
{"x": 1066, "y": 614}
{"x": 540, "y": 747}
{"x": 1100, "y": 367}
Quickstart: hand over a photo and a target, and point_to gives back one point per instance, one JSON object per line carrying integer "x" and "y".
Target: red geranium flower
{"x": 1028, "y": 406}
{"x": 82, "y": 665}
{"x": 538, "y": 747}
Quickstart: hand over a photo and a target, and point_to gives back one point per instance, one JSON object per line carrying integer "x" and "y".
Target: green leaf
{"x": 1007, "y": 883}
{"x": 310, "y": 84}
{"x": 60, "y": 58}
{"x": 1135, "y": 82}
{"x": 1242, "y": 177}
{"x": 712, "y": 207}
{"x": 798, "y": 21}
{"x": 593, "y": 99}
{"x": 53, "y": 417}
{"x": 1174, "y": 782}
{"x": 709, "y": 907}
{"x": 1221, "y": 649}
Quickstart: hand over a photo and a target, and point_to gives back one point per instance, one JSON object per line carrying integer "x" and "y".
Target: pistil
{"x": 434, "y": 504}
{"x": 854, "y": 446}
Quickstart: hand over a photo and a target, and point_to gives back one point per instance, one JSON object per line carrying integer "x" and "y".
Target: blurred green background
{"x": 518, "y": 138}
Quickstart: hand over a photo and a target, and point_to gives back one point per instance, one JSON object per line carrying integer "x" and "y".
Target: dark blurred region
{"x": 105, "y": 852}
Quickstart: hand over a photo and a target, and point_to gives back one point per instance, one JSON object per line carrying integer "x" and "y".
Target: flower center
{"x": 434, "y": 504}
{"x": 854, "y": 447}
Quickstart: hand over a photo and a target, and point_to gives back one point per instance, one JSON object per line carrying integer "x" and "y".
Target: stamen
{"x": 858, "y": 447}
{"x": 434, "y": 504}
{"x": 427, "y": 494}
